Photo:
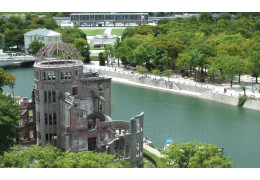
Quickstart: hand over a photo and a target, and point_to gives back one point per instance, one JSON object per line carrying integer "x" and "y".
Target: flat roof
{"x": 109, "y": 14}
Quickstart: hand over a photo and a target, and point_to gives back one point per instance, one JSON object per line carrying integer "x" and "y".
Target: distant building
{"x": 92, "y": 19}
{"x": 102, "y": 41}
{"x": 46, "y": 36}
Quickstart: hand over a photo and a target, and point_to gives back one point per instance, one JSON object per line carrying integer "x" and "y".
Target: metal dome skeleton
{"x": 57, "y": 52}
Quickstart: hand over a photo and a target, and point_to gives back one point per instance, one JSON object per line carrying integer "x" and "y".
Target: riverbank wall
{"x": 178, "y": 87}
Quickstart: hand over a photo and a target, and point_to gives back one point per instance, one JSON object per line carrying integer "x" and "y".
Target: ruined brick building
{"x": 73, "y": 109}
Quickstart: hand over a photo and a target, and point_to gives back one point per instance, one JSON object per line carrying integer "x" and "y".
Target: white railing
{"x": 17, "y": 59}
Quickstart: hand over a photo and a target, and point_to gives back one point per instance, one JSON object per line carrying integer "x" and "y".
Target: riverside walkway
{"x": 224, "y": 88}
{"x": 153, "y": 151}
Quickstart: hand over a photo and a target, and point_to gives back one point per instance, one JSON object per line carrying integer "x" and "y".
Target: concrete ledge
{"x": 231, "y": 100}
{"x": 252, "y": 104}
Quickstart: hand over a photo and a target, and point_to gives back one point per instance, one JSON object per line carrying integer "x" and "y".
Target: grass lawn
{"x": 93, "y": 32}
{"x": 117, "y": 32}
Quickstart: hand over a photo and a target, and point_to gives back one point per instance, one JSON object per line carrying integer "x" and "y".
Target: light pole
{"x": 252, "y": 83}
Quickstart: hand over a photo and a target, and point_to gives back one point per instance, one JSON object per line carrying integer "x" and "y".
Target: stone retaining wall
{"x": 154, "y": 82}
{"x": 222, "y": 98}
{"x": 252, "y": 104}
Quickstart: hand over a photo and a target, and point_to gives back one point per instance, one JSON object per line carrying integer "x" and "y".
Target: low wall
{"x": 252, "y": 104}
{"x": 154, "y": 82}
{"x": 222, "y": 98}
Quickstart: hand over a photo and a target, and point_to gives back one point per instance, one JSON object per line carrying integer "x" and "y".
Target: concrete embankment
{"x": 178, "y": 87}
{"x": 252, "y": 104}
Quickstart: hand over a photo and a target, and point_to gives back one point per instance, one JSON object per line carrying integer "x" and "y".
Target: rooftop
{"x": 43, "y": 32}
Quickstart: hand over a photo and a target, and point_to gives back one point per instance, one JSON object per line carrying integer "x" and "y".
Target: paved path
{"x": 153, "y": 151}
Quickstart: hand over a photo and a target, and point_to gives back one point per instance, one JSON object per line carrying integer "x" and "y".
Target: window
{"x": 92, "y": 144}
{"x": 53, "y": 96}
{"x": 44, "y": 76}
{"x": 74, "y": 91}
{"x": 51, "y": 75}
{"x": 61, "y": 75}
{"x": 54, "y": 118}
{"x": 46, "y": 118}
{"x": 49, "y": 96}
{"x": 45, "y": 96}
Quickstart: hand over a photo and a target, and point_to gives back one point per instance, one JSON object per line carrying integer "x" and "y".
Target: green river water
{"x": 181, "y": 118}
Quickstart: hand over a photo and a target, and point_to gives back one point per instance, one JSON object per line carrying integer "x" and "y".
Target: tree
{"x": 141, "y": 55}
{"x": 101, "y": 59}
{"x": 243, "y": 87}
{"x": 10, "y": 81}
{"x": 231, "y": 67}
{"x": 194, "y": 59}
{"x": 109, "y": 50}
{"x": 156, "y": 72}
{"x": 83, "y": 47}
{"x": 9, "y": 118}
{"x": 141, "y": 70}
{"x": 205, "y": 17}
{"x": 6, "y": 79}
{"x": 35, "y": 46}
{"x": 163, "y": 21}
{"x": 194, "y": 155}
{"x": 50, "y": 23}
{"x": 52, "y": 157}
{"x": 13, "y": 38}
{"x": 128, "y": 32}
{"x": 254, "y": 62}
{"x": 70, "y": 34}
{"x": 116, "y": 46}
{"x": 225, "y": 16}
{"x": 167, "y": 73}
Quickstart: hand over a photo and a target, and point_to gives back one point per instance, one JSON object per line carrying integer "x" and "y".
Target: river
{"x": 181, "y": 118}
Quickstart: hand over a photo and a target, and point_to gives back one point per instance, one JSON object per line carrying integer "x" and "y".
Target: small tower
{"x": 56, "y": 65}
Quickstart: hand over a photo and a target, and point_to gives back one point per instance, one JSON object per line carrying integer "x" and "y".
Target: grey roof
{"x": 110, "y": 40}
{"x": 43, "y": 32}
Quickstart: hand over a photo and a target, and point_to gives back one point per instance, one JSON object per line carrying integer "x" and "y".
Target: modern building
{"x": 101, "y": 41}
{"x": 46, "y": 36}
{"x": 92, "y": 19}
{"x": 73, "y": 109}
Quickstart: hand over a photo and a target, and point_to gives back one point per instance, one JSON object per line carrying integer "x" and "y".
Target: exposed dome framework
{"x": 58, "y": 52}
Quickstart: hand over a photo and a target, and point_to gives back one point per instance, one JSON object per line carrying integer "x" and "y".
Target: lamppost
{"x": 252, "y": 83}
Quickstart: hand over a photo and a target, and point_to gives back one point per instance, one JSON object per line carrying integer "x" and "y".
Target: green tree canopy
{"x": 83, "y": 47}
{"x": 194, "y": 155}
{"x": 101, "y": 59}
{"x": 9, "y": 118}
{"x": 35, "y": 46}
{"x": 52, "y": 157}
{"x": 70, "y": 34}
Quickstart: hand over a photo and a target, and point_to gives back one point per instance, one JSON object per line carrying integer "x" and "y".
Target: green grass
{"x": 117, "y": 32}
{"x": 93, "y": 32}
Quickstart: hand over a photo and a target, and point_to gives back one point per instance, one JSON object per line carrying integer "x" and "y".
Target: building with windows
{"x": 73, "y": 109}
{"x": 46, "y": 36}
{"x": 92, "y": 19}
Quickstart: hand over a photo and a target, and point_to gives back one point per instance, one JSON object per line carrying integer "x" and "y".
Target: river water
{"x": 181, "y": 118}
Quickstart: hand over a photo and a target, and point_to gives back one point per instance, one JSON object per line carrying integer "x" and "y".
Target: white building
{"x": 46, "y": 36}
